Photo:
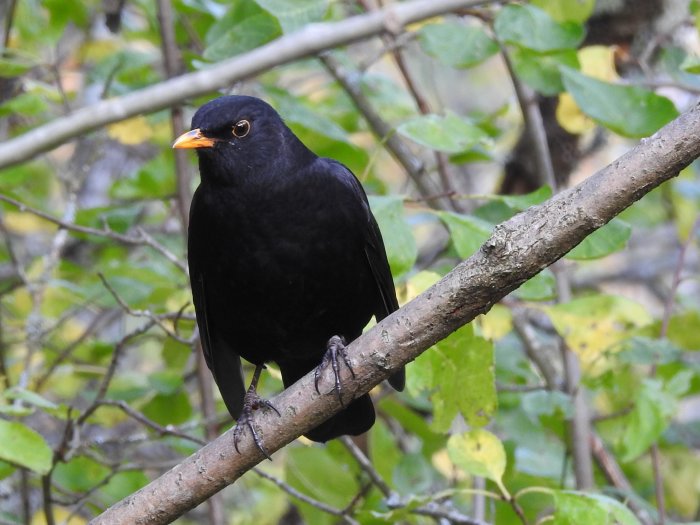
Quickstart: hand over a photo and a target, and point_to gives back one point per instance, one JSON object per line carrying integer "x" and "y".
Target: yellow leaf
{"x": 571, "y": 118}
{"x": 684, "y": 205}
{"x": 99, "y": 49}
{"x": 23, "y": 223}
{"x": 479, "y": 453}
{"x": 682, "y": 470}
{"x": 418, "y": 284}
{"x": 595, "y": 324}
{"x": 441, "y": 461}
{"x": 131, "y": 131}
{"x": 61, "y": 515}
{"x": 597, "y": 62}
{"x": 496, "y": 323}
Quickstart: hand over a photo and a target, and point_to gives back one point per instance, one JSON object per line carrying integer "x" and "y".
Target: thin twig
{"x": 452, "y": 516}
{"x": 9, "y": 18}
{"x": 159, "y": 429}
{"x": 173, "y": 67}
{"x": 534, "y": 349}
{"x": 580, "y": 426}
{"x": 69, "y": 348}
{"x": 414, "y": 167}
{"x": 663, "y": 333}
{"x": 421, "y": 102}
{"x": 303, "y": 497}
{"x": 46, "y": 498}
{"x": 366, "y": 465}
{"x": 616, "y": 477}
{"x": 111, "y": 369}
{"x": 158, "y": 320}
{"x": 309, "y": 41}
{"x": 143, "y": 239}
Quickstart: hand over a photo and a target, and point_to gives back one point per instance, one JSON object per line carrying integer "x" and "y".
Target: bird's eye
{"x": 241, "y": 128}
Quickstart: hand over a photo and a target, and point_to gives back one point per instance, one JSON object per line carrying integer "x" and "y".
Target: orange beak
{"x": 193, "y": 139}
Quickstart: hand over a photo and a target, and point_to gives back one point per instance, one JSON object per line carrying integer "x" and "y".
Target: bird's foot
{"x": 334, "y": 349}
{"x": 251, "y": 402}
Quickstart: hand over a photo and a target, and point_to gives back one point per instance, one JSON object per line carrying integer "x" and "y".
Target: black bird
{"x": 286, "y": 260}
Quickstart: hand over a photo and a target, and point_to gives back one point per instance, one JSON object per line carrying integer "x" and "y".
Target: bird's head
{"x": 240, "y": 136}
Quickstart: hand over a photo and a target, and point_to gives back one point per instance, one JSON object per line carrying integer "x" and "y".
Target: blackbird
{"x": 286, "y": 260}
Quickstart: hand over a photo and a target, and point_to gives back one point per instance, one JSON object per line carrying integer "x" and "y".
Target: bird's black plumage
{"x": 284, "y": 253}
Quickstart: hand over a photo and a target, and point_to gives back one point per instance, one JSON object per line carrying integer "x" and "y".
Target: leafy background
{"x": 102, "y": 384}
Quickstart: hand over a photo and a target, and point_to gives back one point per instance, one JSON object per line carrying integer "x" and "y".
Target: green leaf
{"x": 523, "y": 202}
{"x": 245, "y": 26}
{"x": 392, "y": 101}
{"x": 479, "y": 453}
{"x": 450, "y": 133}
{"x": 399, "y": 242}
{"x": 154, "y": 180}
{"x": 691, "y": 64}
{"x": 307, "y": 470}
{"x": 467, "y": 233}
{"x": 457, "y": 44}
{"x": 295, "y": 112}
{"x": 168, "y": 409}
{"x": 295, "y": 14}
{"x": 30, "y": 397}
{"x": 530, "y": 27}
{"x": 567, "y": 10}
{"x": 462, "y": 358}
{"x": 383, "y": 450}
{"x": 176, "y": 354}
{"x": 166, "y": 381}
{"x": 119, "y": 218}
{"x": 6, "y": 469}
{"x": 652, "y": 412}
{"x": 12, "y": 66}
{"x": 610, "y": 238}
{"x": 542, "y": 287}
{"x": 577, "y": 508}
{"x": 400, "y": 514}
{"x": 411, "y": 421}
{"x": 684, "y": 330}
{"x": 679, "y": 384}
{"x": 647, "y": 351}
{"x": 121, "y": 484}
{"x": 26, "y": 104}
{"x": 80, "y": 474}
{"x": 414, "y": 475}
{"x": 22, "y": 446}
{"x": 630, "y": 111}
{"x": 545, "y": 403}
{"x": 541, "y": 71}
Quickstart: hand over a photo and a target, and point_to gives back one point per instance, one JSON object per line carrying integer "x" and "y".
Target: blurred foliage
{"x": 100, "y": 391}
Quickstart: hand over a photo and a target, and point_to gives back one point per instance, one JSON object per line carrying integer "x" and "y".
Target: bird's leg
{"x": 334, "y": 349}
{"x": 252, "y": 401}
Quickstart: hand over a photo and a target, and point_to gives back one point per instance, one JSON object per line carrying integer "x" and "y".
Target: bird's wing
{"x": 376, "y": 257}
{"x": 224, "y": 363}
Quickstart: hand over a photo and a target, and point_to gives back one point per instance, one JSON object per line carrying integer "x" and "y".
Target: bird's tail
{"x": 357, "y": 418}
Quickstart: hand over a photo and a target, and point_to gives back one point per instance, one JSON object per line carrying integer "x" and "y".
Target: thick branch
{"x": 517, "y": 250}
{"x": 308, "y": 41}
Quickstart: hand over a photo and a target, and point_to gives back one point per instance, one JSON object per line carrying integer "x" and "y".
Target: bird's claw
{"x": 252, "y": 402}
{"x": 334, "y": 349}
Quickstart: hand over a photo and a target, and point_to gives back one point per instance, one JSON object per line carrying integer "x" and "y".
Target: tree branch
{"x": 517, "y": 250}
{"x": 308, "y": 41}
